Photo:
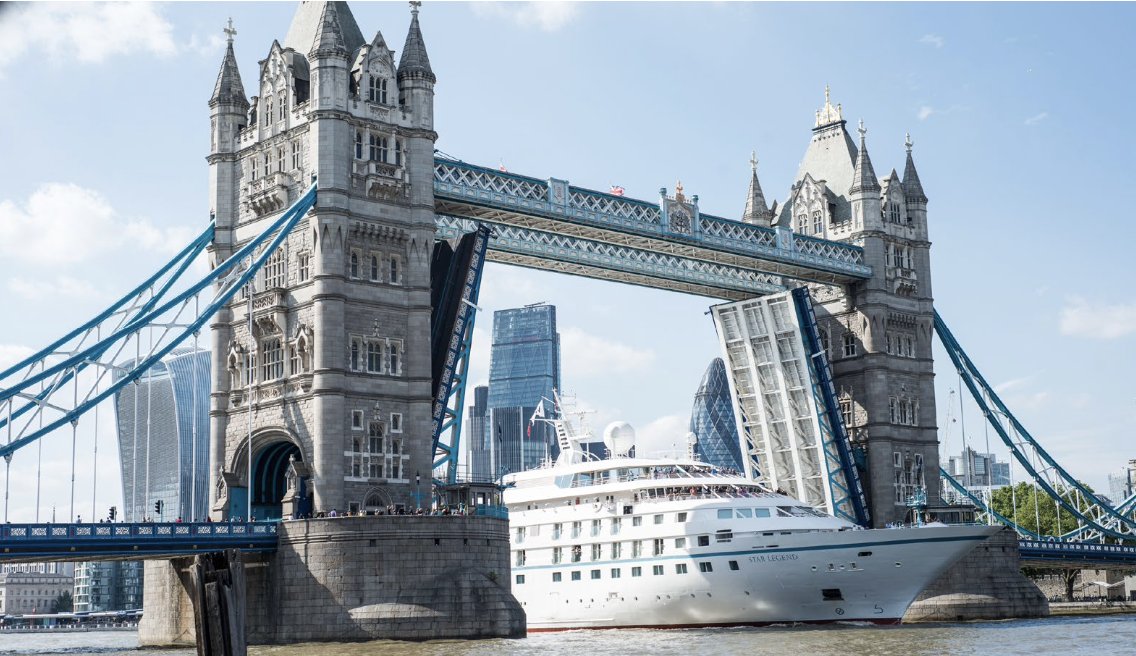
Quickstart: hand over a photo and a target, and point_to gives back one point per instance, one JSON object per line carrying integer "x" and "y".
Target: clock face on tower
{"x": 680, "y": 220}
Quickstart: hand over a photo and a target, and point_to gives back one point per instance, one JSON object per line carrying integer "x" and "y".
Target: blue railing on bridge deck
{"x": 89, "y": 541}
{"x": 1055, "y": 550}
{"x": 556, "y": 199}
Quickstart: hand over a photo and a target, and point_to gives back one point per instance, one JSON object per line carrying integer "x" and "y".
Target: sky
{"x": 1017, "y": 112}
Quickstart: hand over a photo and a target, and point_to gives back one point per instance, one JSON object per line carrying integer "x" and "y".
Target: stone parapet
{"x": 985, "y": 585}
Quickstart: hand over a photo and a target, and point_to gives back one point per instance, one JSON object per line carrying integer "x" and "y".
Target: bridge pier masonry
{"x": 322, "y": 385}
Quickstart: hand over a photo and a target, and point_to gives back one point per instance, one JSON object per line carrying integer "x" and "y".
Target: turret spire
{"x": 756, "y": 211}
{"x": 414, "y": 61}
{"x": 229, "y": 88}
{"x": 864, "y": 176}
{"x": 329, "y": 34}
{"x": 912, "y": 187}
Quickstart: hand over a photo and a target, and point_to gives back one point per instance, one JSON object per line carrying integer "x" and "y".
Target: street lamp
{"x": 418, "y": 490}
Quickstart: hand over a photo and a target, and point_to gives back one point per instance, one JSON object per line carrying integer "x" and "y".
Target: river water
{"x": 1068, "y": 636}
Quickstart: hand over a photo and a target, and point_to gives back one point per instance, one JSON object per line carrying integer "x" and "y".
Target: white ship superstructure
{"x": 646, "y": 542}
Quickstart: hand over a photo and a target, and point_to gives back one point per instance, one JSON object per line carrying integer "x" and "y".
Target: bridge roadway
{"x": 550, "y": 225}
{"x": 156, "y": 541}
{"x": 130, "y": 541}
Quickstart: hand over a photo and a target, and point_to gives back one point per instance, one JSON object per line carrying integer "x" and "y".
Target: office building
{"x": 712, "y": 420}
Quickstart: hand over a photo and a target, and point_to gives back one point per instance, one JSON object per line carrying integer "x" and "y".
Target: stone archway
{"x": 273, "y": 450}
{"x": 377, "y": 499}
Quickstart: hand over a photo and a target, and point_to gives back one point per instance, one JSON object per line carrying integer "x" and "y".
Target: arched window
{"x": 358, "y": 145}
{"x": 377, "y": 90}
{"x": 397, "y": 152}
{"x": 374, "y": 268}
{"x": 280, "y": 161}
{"x": 817, "y": 224}
{"x": 354, "y": 265}
{"x": 849, "y": 345}
{"x": 268, "y": 114}
{"x": 394, "y": 271}
{"x": 825, "y": 343}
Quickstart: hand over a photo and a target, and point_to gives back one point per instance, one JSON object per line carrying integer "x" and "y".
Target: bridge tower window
{"x": 374, "y": 267}
{"x": 818, "y": 225}
{"x": 397, "y": 152}
{"x": 377, "y": 90}
{"x": 849, "y": 345}
{"x": 374, "y": 357}
{"x": 358, "y": 145}
{"x": 273, "y": 360}
{"x": 354, "y": 264}
{"x": 395, "y": 270}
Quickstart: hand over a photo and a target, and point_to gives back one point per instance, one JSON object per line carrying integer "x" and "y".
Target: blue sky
{"x": 1018, "y": 112}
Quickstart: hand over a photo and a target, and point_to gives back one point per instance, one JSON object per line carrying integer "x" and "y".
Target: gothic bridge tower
{"x": 878, "y": 332}
{"x": 329, "y": 379}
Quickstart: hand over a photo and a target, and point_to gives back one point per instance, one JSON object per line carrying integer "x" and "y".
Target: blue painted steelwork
{"x": 1099, "y": 516}
{"x": 225, "y": 275}
{"x": 52, "y": 542}
{"x": 846, "y": 478}
{"x": 449, "y": 405}
{"x": 1076, "y": 554}
{"x": 628, "y": 264}
{"x": 471, "y": 191}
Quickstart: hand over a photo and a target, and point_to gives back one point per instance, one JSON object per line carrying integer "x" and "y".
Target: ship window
{"x": 658, "y": 519}
{"x": 520, "y": 578}
{"x": 557, "y": 529}
{"x": 520, "y": 557}
{"x": 636, "y": 548}
{"x": 636, "y": 571}
{"x": 556, "y": 577}
{"x": 627, "y": 510}
{"x": 576, "y": 552}
{"x": 864, "y": 554}
{"x": 704, "y": 540}
{"x": 706, "y": 567}
{"x": 616, "y": 550}
{"x": 636, "y": 521}
{"x": 724, "y": 535}
{"x": 575, "y": 529}
{"x": 657, "y": 548}
{"x": 734, "y": 565}
{"x": 614, "y": 572}
{"x": 595, "y": 574}
{"x": 616, "y": 524}
{"x": 744, "y": 513}
{"x": 595, "y": 527}
{"x": 657, "y": 570}
{"x": 725, "y": 513}
{"x": 680, "y": 543}
{"x": 680, "y": 568}
{"x": 681, "y": 518}
{"x": 832, "y": 594}
{"x": 596, "y": 551}
{"x": 576, "y": 575}
{"x": 557, "y": 555}
{"x": 760, "y": 512}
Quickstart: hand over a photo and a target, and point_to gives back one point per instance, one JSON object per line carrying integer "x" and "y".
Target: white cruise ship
{"x": 661, "y": 543}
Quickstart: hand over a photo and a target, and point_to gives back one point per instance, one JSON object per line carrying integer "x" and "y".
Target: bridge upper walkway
{"x": 551, "y": 225}
{"x": 146, "y": 541}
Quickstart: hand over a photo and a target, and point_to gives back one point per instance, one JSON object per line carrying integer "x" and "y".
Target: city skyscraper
{"x": 524, "y": 368}
{"x": 163, "y": 438}
{"x": 712, "y": 420}
{"x": 479, "y": 454}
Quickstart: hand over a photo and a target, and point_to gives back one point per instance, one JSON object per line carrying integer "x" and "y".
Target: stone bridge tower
{"x": 878, "y": 332}
{"x": 329, "y": 379}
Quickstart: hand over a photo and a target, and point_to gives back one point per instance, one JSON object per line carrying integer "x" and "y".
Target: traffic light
{"x": 113, "y": 513}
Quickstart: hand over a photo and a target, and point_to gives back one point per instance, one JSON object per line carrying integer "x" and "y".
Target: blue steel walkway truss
{"x": 54, "y": 542}
{"x": 550, "y": 225}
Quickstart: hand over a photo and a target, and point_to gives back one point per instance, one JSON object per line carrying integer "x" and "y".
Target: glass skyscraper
{"x": 712, "y": 420}
{"x": 163, "y": 438}
{"x": 524, "y": 368}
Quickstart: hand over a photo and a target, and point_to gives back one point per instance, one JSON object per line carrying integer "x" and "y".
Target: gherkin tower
{"x": 712, "y": 420}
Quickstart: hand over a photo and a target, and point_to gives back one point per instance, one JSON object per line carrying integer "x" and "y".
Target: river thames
{"x": 1069, "y": 636}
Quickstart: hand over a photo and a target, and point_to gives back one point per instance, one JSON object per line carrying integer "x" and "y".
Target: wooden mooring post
{"x": 219, "y": 603}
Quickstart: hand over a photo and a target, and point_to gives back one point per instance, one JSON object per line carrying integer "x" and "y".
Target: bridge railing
{"x": 1057, "y": 548}
{"x": 146, "y": 531}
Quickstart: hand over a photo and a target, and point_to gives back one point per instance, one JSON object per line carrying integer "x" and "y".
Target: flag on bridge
{"x": 537, "y": 414}
{"x": 616, "y": 190}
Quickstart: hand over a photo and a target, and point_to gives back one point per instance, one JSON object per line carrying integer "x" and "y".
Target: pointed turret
{"x": 756, "y": 210}
{"x": 308, "y": 20}
{"x": 863, "y": 176}
{"x": 328, "y": 37}
{"x": 912, "y": 187}
{"x": 229, "y": 88}
{"x": 414, "y": 61}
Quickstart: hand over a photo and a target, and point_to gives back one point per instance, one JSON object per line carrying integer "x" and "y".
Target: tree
{"x": 1032, "y": 509}
{"x": 62, "y": 603}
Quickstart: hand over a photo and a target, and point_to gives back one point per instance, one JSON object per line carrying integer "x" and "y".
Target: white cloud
{"x": 85, "y": 32}
{"x": 61, "y": 286}
{"x": 1012, "y": 384}
{"x": 546, "y": 16}
{"x": 933, "y": 40}
{"x": 66, "y": 224}
{"x": 1083, "y": 318}
{"x": 212, "y": 45}
{"x": 584, "y": 354}
{"x": 10, "y": 354}
{"x": 665, "y": 436}
{"x": 1037, "y": 118}
{"x": 925, "y": 112}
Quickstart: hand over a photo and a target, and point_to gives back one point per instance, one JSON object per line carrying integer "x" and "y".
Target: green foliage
{"x": 62, "y": 603}
{"x": 1033, "y": 509}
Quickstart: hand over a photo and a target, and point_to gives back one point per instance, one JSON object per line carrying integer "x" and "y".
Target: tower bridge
{"x": 340, "y": 322}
